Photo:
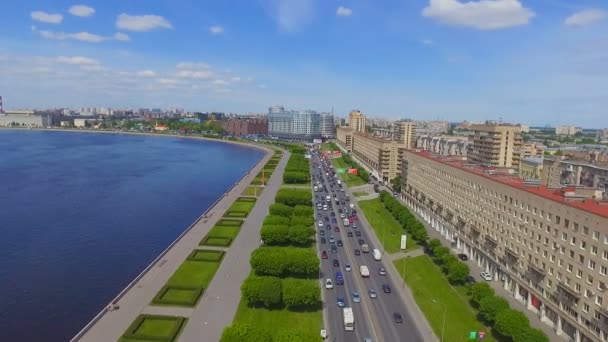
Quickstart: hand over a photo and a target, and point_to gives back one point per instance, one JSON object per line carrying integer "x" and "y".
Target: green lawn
{"x": 387, "y": 229}
{"x": 224, "y": 231}
{"x": 241, "y": 206}
{"x": 360, "y": 193}
{"x": 351, "y": 180}
{"x": 194, "y": 274}
{"x": 271, "y": 319}
{"x": 154, "y": 328}
{"x": 251, "y": 191}
{"x": 427, "y": 284}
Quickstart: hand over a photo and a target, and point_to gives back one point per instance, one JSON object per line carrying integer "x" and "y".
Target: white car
{"x": 320, "y": 223}
{"x": 348, "y": 267}
{"x": 486, "y": 276}
{"x": 329, "y": 284}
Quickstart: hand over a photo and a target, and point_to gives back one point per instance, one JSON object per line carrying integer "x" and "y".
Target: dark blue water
{"x": 82, "y": 214}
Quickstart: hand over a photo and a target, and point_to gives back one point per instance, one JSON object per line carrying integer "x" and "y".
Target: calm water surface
{"x": 82, "y": 214}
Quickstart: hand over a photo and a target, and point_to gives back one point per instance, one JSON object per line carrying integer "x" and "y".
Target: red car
{"x": 350, "y": 219}
{"x": 337, "y": 229}
{"x": 355, "y": 217}
{"x": 324, "y": 255}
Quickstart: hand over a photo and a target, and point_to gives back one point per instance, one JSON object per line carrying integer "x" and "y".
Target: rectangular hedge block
{"x": 216, "y": 241}
{"x": 179, "y": 296}
{"x": 155, "y": 328}
{"x": 245, "y": 199}
{"x": 229, "y": 222}
{"x": 236, "y": 214}
{"x": 206, "y": 255}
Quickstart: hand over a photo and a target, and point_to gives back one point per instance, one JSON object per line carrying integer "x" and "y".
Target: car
{"x": 319, "y": 215}
{"x": 324, "y": 255}
{"x": 463, "y": 257}
{"x": 348, "y": 267}
{"x": 342, "y": 216}
{"x": 342, "y": 201}
{"x": 320, "y": 224}
{"x": 322, "y": 232}
{"x": 486, "y": 276}
{"x": 336, "y": 263}
{"x": 367, "y": 339}
{"x": 323, "y": 240}
{"x": 334, "y": 221}
{"x": 382, "y": 271}
{"x": 358, "y": 233}
{"x": 350, "y": 234}
{"x": 332, "y": 239}
{"x": 470, "y": 280}
{"x": 334, "y": 249}
{"x": 372, "y": 294}
{"x": 340, "y": 244}
{"x": 340, "y": 210}
{"x": 326, "y": 219}
{"x": 386, "y": 288}
{"x": 329, "y": 284}
{"x": 355, "y": 226}
{"x": 341, "y": 302}
{"x": 357, "y": 252}
{"x": 337, "y": 229}
{"x": 356, "y": 297}
{"x": 361, "y": 242}
{"x": 333, "y": 214}
{"x": 397, "y": 317}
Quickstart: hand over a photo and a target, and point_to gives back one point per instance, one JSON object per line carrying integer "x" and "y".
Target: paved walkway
{"x": 113, "y": 324}
{"x": 496, "y": 285}
{"x": 409, "y": 254}
{"x": 217, "y": 308}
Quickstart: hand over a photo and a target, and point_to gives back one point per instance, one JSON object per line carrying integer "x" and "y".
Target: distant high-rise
{"x": 405, "y": 133}
{"x": 495, "y": 144}
{"x": 327, "y": 126}
{"x": 356, "y": 121}
{"x": 304, "y": 125}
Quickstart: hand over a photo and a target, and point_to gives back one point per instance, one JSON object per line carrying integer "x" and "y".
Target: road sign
{"x": 341, "y": 170}
{"x": 403, "y": 241}
{"x": 472, "y": 335}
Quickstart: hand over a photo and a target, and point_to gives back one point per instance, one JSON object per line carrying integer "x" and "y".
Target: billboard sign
{"x": 353, "y": 171}
{"x": 317, "y": 141}
{"x": 403, "y": 241}
{"x": 341, "y": 170}
{"x": 337, "y": 154}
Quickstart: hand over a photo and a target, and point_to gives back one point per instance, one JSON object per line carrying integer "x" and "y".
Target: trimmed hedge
{"x": 206, "y": 255}
{"x": 229, "y": 222}
{"x": 279, "y": 209}
{"x": 285, "y": 261}
{"x": 134, "y": 333}
{"x": 275, "y": 220}
{"x": 216, "y": 241}
{"x": 162, "y": 297}
{"x": 293, "y": 197}
{"x": 245, "y": 199}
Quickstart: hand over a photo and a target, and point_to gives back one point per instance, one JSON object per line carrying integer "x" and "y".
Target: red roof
{"x": 557, "y": 195}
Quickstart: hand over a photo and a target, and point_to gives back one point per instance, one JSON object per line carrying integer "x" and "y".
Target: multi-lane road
{"x": 373, "y": 316}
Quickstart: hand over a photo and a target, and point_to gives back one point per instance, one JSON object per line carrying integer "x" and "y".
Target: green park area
{"x": 253, "y": 190}
{"x": 387, "y": 229}
{"x": 240, "y": 208}
{"x": 360, "y": 193}
{"x": 351, "y": 180}
{"x": 223, "y": 233}
{"x": 433, "y": 293}
{"x": 154, "y": 328}
{"x": 190, "y": 280}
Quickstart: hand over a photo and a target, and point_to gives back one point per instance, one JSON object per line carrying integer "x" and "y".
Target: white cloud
{"x": 146, "y": 73}
{"x": 216, "y": 29}
{"x": 481, "y": 15}
{"x": 220, "y": 83}
{"x": 195, "y": 74}
{"x": 87, "y": 37}
{"x": 81, "y": 10}
{"x": 235, "y": 79}
{"x": 428, "y": 42}
{"x": 141, "y": 23}
{"x": 45, "y": 17}
{"x": 586, "y": 17}
{"x": 290, "y": 15}
{"x": 121, "y": 37}
{"x": 83, "y": 62}
{"x": 195, "y": 66}
{"x": 344, "y": 11}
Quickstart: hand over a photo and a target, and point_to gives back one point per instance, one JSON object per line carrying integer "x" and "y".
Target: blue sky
{"x": 531, "y": 61}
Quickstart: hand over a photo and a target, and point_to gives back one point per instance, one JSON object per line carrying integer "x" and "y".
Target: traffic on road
{"x": 360, "y": 305}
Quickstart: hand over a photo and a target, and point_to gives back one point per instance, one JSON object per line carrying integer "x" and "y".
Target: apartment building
{"x": 246, "y": 126}
{"x": 567, "y": 130}
{"x": 532, "y": 150}
{"x": 558, "y": 171}
{"x": 382, "y": 156}
{"x": 297, "y": 125}
{"x": 357, "y": 121}
{"x": 531, "y": 168}
{"x": 444, "y": 145}
{"x": 344, "y": 138}
{"x": 327, "y": 126}
{"x": 494, "y": 144}
{"x": 548, "y": 247}
{"x": 405, "y": 133}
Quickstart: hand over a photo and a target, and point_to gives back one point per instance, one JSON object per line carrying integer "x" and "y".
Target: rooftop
{"x": 492, "y": 173}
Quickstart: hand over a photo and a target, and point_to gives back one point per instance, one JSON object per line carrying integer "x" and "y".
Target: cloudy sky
{"x": 530, "y": 61}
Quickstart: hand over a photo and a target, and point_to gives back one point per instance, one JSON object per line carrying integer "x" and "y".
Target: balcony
{"x": 491, "y": 240}
{"x": 566, "y": 295}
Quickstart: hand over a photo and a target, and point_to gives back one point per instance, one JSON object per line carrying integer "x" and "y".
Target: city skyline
{"x": 531, "y": 62}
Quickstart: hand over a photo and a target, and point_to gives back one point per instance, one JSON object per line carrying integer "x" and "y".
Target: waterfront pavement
{"x": 136, "y": 301}
{"x": 217, "y": 308}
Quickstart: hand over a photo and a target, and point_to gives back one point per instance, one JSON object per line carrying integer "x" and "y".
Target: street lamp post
{"x": 445, "y": 309}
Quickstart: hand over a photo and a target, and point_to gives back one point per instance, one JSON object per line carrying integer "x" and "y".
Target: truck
{"x": 377, "y": 255}
{"x": 364, "y": 248}
{"x": 349, "y": 319}
{"x": 346, "y": 222}
{"x": 364, "y": 271}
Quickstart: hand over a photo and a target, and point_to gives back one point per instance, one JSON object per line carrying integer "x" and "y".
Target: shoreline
{"x": 268, "y": 153}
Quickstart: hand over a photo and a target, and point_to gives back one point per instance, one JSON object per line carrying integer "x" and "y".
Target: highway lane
{"x": 378, "y": 312}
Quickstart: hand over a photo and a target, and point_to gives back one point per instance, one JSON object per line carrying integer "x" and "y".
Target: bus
{"x": 349, "y": 319}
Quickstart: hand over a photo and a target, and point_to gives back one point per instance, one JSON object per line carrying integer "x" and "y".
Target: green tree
{"x": 239, "y": 332}
{"x": 434, "y": 243}
{"x": 396, "y": 184}
{"x": 276, "y": 220}
{"x": 479, "y": 291}
{"x": 300, "y": 235}
{"x": 491, "y": 306}
{"x": 458, "y": 272}
{"x": 303, "y": 210}
{"x": 279, "y": 209}
{"x": 300, "y": 293}
{"x": 266, "y": 291}
{"x": 275, "y": 235}
{"x": 530, "y": 335}
{"x": 509, "y": 322}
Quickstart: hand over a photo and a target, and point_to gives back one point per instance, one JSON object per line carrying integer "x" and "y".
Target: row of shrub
{"x": 280, "y": 209}
{"x": 297, "y": 169}
{"x": 410, "y": 224}
{"x": 293, "y": 197}
{"x": 285, "y": 262}
{"x": 511, "y": 324}
{"x": 273, "y": 292}
{"x": 240, "y": 332}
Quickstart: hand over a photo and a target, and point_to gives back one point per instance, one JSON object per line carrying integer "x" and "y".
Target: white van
{"x": 377, "y": 255}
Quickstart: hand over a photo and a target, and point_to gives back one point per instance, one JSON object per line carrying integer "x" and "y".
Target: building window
{"x": 605, "y": 255}
{"x": 571, "y": 254}
{"x": 564, "y": 236}
{"x": 585, "y": 230}
{"x": 558, "y": 219}
{"x": 583, "y": 245}
{"x": 552, "y": 257}
{"x": 588, "y": 293}
{"x": 589, "y": 280}
{"x": 594, "y": 250}
{"x": 579, "y": 274}
{"x": 573, "y": 240}
{"x": 591, "y": 264}
{"x": 569, "y": 268}
{"x": 577, "y": 287}
{"x": 603, "y": 270}
{"x": 598, "y": 300}
{"x": 586, "y": 307}
{"x": 596, "y": 235}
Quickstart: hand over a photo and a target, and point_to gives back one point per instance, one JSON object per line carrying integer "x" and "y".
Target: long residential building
{"x": 246, "y": 126}
{"x": 297, "y": 125}
{"x": 548, "y": 247}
